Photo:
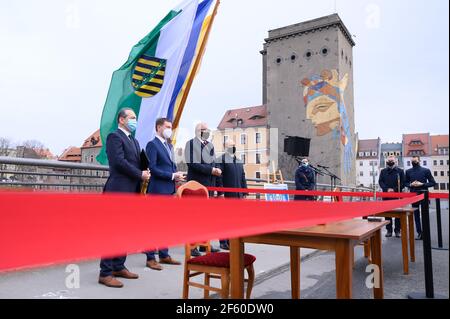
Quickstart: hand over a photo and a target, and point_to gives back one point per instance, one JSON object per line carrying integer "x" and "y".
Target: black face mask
{"x": 390, "y": 164}
{"x": 415, "y": 164}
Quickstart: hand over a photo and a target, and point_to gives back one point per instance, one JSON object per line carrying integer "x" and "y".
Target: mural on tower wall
{"x": 325, "y": 107}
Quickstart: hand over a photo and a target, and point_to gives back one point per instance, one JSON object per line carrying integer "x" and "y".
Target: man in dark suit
{"x": 125, "y": 176}
{"x": 392, "y": 179}
{"x": 162, "y": 182}
{"x": 418, "y": 179}
{"x": 233, "y": 176}
{"x": 200, "y": 159}
{"x": 304, "y": 180}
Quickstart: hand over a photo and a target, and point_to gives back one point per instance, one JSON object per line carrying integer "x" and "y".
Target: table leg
{"x": 403, "y": 224}
{"x": 344, "y": 268}
{"x": 378, "y": 290}
{"x": 295, "y": 272}
{"x": 237, "y": 268}
{"x": 412, "y": 242}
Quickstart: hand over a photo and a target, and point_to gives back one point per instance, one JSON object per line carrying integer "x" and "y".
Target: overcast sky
{"x": 57, "y": 58}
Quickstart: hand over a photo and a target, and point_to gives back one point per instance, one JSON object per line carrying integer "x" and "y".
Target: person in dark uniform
{"x": 418, "y": 179}
{"x": 200, "y": 159}
{"x": 233, "y": 176}
{"x": 392, "y": 179}
{"x": 125, "y": 176}
{"x": 304, "y": 180}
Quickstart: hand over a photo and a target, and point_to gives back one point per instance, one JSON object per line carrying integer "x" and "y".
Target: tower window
{"x": 278, "y": 60}
{"x": 308, "y": 54}
{"x": 293, "y": 57}
{"x": 324, "y": 51}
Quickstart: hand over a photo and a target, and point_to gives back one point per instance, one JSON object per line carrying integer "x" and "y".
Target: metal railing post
{"x": 427, "y": 253}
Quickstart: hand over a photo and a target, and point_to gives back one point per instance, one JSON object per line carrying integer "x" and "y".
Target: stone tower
{"x": 308, "y": 90}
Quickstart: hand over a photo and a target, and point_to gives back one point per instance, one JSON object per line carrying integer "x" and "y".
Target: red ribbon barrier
{"x": 439, "y": 195}
{"x": 310, "y": 193}
{"x": 38, "y": 229}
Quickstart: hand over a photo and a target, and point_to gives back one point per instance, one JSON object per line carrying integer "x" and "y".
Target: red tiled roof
{"x": 94, "y": 140}
{"x": 423, "y": 145}
{"x": 368, "y": 145}
{"x": 244, "y": 117}
{"x": 438, "y": 141}
{"x": 44, "y": 153}
{"x": 71, "y": 154}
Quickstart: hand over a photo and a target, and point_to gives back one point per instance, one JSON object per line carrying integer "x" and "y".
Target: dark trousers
{"x": 417, "y": 220}
{"x": 224, "y": 242}
{"x": 163, "y": 253}
{"x": 108, "y": 265}
{"x": 306, "y": 198}
{"x": 397, "y": 225}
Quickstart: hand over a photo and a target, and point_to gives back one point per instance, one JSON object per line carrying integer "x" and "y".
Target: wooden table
{"x": 340, "y": 237}
{"x": 406, "y": 216}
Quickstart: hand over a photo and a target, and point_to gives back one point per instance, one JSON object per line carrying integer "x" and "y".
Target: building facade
{"x": 91, "y": 148}
{"x": 417, "y": 145}
{"x": 440, "y": 162}
{"x": 247, "y": 127}
{"x": 308, "y": 90}
{"x": 368, "y": 163}
{"x": 391, "y": 149}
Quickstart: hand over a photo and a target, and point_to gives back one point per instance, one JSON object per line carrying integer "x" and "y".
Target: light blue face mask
{"x": 131, "y": 125}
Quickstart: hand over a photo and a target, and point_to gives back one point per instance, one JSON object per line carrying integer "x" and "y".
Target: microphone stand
{"x": 333, "y": 177}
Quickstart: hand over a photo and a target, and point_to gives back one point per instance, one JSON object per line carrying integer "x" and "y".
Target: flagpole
{"x": 195, "y": 67}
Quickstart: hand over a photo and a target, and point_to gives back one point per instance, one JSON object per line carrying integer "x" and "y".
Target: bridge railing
{"x": 38, "y": 174}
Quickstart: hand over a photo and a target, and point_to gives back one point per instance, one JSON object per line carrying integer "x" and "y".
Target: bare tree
{"x": 5, "y": 145}
{"x": 33, "y": 144}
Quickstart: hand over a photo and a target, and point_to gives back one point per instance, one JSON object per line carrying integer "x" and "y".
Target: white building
{"x": 368, "y": 162}
{"x": 440, "y": 162}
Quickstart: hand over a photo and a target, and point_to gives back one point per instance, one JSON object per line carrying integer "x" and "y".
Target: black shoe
{"x": 224, "y": 247}
{"x": 419, "y": 236}
{"x": 397, "y": 234}
{"x": 389, "y": 234}
{"x": 195, "y": 253}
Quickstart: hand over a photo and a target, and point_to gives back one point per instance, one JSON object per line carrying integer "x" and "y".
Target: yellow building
{"x": 248, "y": 128}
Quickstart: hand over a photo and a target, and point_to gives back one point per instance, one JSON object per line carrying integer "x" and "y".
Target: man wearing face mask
{"x": 392, "y": 179}
{"x": 304, "y": 180}
{"x": 125, "y": 176}
{"x": 233, "y": 176}
{"x": 200, "y": 159}
{"x": 418, "y": 179}
{"x": 162, "y": 182}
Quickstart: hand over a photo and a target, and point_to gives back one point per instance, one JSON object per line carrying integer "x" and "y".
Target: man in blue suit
{"x": 162, "y": 182}
{"x": 125, "y": 176}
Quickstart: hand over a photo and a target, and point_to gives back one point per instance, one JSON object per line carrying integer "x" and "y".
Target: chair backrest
{"x": 192, "y": 189}
{"x": 336, "y": 198}
{"x": 189, "y": 247}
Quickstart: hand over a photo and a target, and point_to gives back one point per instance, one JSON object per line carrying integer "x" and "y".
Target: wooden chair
{"x": 192, "y": 188}
{"x": 215, "y": 266}
{"x": 212, "y": 265}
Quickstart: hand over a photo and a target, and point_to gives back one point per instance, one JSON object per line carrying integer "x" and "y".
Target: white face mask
{"x": 167, "y": 133}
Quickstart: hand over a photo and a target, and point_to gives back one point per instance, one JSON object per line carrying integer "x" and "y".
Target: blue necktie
{"x": 168, "y": 150}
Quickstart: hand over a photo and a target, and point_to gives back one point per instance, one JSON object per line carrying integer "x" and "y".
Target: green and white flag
{"x": 149, "y": 82}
